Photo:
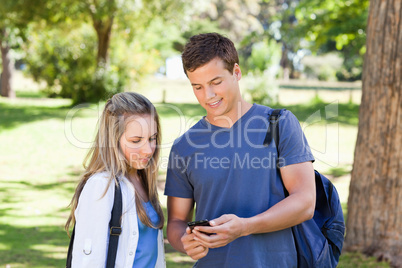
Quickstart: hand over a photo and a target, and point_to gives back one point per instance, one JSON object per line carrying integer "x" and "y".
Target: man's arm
{"x": 180, "y": 211}
{"x": 296, "y": 208}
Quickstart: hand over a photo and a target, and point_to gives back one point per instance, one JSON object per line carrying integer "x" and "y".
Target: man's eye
{"x": 197, "y": 88}
{"x": 217, "y": 83}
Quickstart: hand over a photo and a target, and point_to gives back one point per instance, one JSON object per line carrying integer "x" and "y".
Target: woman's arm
{"x": 92, "y": 215}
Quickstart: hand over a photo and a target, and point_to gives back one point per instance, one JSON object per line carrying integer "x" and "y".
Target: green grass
{"x": 358, "y": 260}
{"x": 41, "y": 155}
{"x": 335, "y": 88}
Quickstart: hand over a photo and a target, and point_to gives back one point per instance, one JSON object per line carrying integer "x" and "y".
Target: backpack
{"x": 114, "y": 231}
{"x": 319, "y": 240}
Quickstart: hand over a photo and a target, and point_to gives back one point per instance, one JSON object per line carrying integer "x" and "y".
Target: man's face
{"x": 217, "y": 90}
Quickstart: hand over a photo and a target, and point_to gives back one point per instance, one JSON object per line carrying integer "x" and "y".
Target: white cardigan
{"x": 93, "y": 214}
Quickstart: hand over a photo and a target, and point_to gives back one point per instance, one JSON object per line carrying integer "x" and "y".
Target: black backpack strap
{"x": 115, "y": 227}
{"x": 115, "y": 231}
{"x": 70, "y": 250}
{"x": 273, "y": 130}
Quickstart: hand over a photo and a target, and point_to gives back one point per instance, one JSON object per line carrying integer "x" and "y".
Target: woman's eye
{"x": 197, "y": 88}
{"x": 136, "y": 141}
{"x": 217, "y": 83}
{"x": 153, "y": 139}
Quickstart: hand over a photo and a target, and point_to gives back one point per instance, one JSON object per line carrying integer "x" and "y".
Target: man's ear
{"x": 237, "y": 72}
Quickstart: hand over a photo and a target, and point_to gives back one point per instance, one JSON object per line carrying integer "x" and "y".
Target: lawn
{"x": 43, "y": 143}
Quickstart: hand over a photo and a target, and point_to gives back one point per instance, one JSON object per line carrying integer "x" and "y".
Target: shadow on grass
{"x": 359, "y": 260}
{"x": 179, "y": 109}
{"x": 67, "y": 186}
{"x": 337, "y": 172}
{"x": 347, "y": 114}
{"x": 301, "y": 87}
{"x": 175, "y": 259}
{"x": 343, "y": 113}
{"x": 15, "y": 114}
{"x": 30, "y": 94}
{"x": 43, "y": 246}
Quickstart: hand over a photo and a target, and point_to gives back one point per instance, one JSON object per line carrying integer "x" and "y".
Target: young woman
{"x": 125, "y": 151}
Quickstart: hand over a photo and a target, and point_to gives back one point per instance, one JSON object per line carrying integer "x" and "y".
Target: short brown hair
{"x": 203, "y": 48}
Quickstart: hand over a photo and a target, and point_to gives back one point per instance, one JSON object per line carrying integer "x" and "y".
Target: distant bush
{"x": 351, "y": 75}
{"x": 326, "y": 73}
{"x": 261, "y": 88}
{"x": 322, "y": 67}
{"x": 260, "y": 56}
{"x": 67, "y": 62}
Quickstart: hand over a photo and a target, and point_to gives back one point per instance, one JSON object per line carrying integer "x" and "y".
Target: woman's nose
{"x": 146, "y": 149}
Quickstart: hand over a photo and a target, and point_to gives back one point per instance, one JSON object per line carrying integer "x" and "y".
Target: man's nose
{"x": 209, "y": 93}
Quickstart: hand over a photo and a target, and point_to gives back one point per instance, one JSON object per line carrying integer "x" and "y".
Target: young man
{"x": 221, "y": 165}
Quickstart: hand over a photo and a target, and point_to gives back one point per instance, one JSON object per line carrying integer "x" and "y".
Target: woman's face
{"x": 138, "y": 141}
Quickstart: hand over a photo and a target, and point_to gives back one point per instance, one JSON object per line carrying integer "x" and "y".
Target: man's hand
{"x": 193, "y": 248}
{"x": 223, "y": 230}
{"x": 180, "y": 211}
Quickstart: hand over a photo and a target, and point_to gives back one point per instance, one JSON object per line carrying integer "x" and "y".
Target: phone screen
{"x": 192, "y": 224}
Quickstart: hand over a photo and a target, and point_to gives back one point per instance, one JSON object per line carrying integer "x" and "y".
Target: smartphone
{"x": 192, "y": 224}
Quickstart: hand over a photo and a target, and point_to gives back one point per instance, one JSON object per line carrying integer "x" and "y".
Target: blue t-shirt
{"x": 229, "y": 171}
{"x": 147, "y": 248}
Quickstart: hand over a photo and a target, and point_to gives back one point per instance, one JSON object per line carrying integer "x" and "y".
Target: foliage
{"x": 352, "y": 73}
{"x": 236, "y": 17}
{"x": 262, "y": 69}
{"x": 322, "y": 67}
{"x": 265, "y": 54}
{"x": 196, "y": 26}
{"x": 326, "y": 73}
{"x": 64, "y": 55}
{"x": 283, "y": 28}
{"x": 14, "y": 17}
{"x": 68, "y": 65}
{"x": 261, "y": 87}
{"x": 336, "y": 25}
{"x": 322, "y": 26}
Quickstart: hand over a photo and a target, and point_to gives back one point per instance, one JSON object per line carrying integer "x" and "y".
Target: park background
{"x": 61, "y": 59}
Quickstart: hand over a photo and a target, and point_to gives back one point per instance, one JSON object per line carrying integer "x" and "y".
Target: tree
{"x": 374, "y": 207}
{"x": 7, "y": 73}
{"x": 9, "y": 33}
{"x": 15, "y": 16}
{"x": 129, "y": 13}
{"x": 88, "y": 65}
{"x": 283, "y": 29}
{"x": 236, "y": 17}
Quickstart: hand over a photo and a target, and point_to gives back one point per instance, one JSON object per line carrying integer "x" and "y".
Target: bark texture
{"x": 374, "y": 221}
{"x": 103, "y": 31}
{"x": 7, "y": 66}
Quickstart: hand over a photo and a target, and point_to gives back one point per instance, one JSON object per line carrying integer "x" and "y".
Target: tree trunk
{"x": 103, "y": 30}
{"x": 284, "y": 63}
{"x": 7, "y": 73}
{"x": 374, "y": 221}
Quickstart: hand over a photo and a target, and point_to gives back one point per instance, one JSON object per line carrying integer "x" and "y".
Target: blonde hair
{"x": 106, "y": 154}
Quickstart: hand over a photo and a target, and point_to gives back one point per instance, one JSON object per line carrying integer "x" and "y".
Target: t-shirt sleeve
{"x": 177, "y": 183}
{"x": 293, "y": 146}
